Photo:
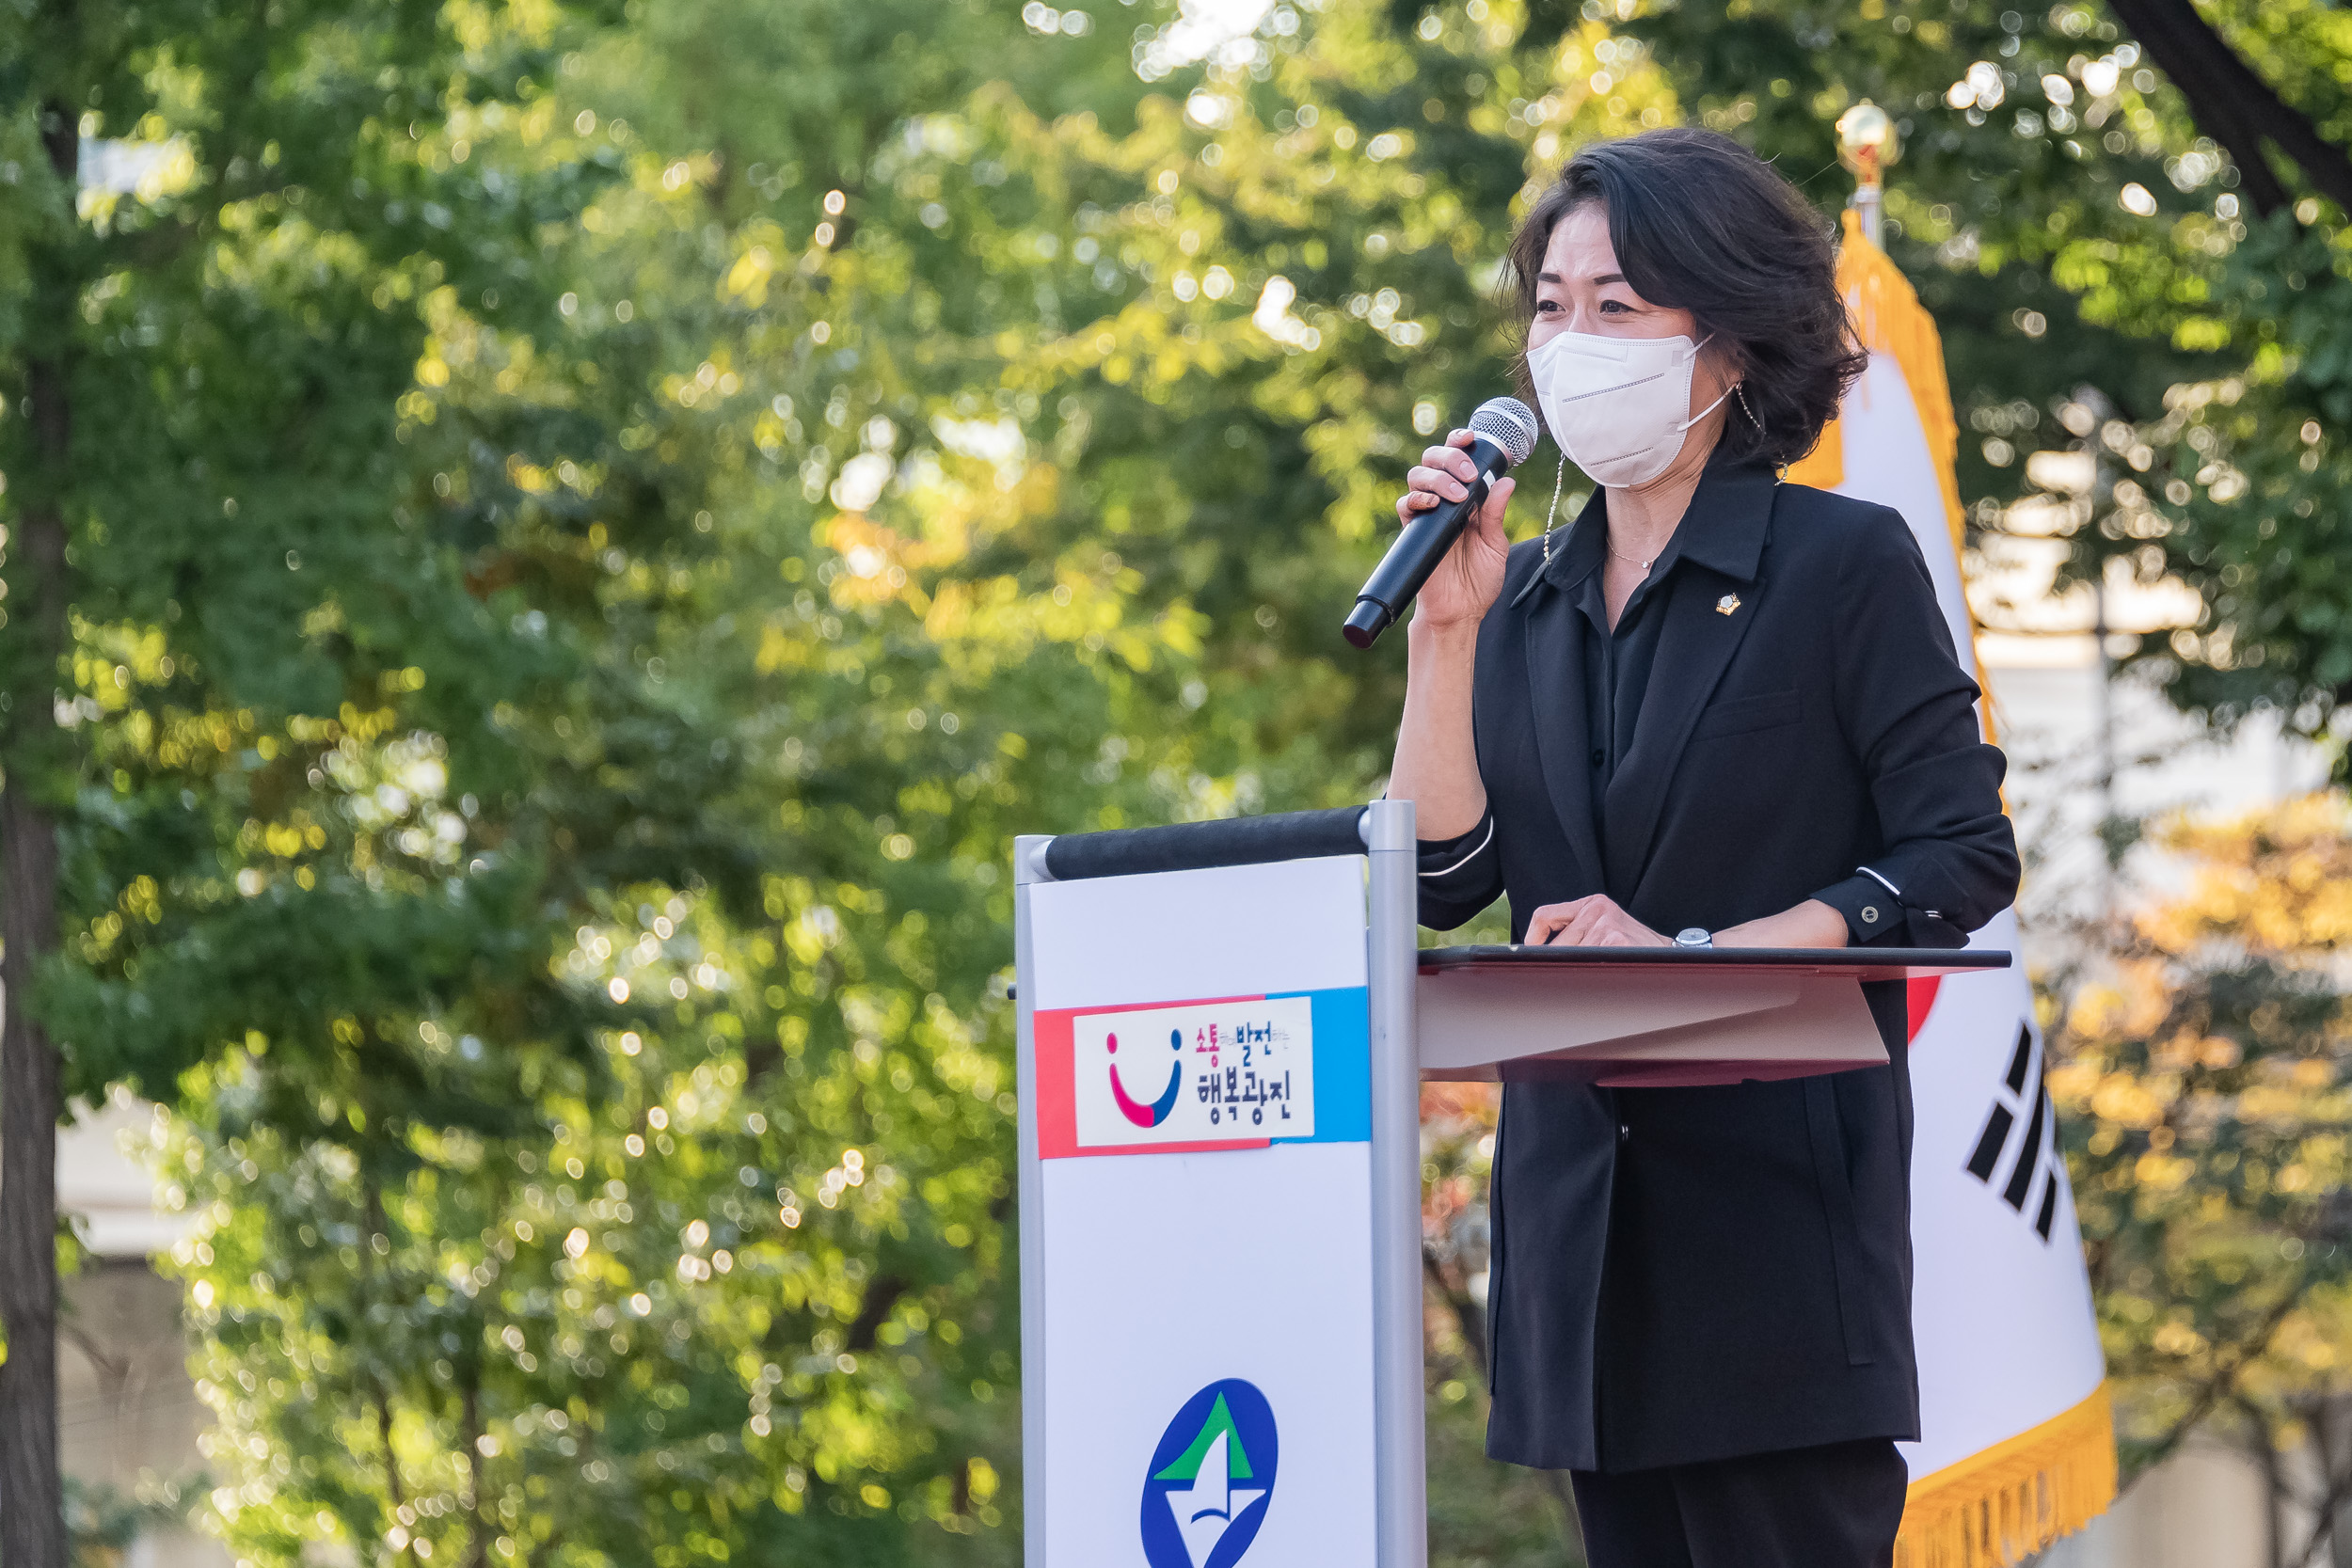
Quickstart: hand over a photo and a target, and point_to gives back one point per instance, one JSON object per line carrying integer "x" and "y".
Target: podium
{"x": 1223, "y": 1027}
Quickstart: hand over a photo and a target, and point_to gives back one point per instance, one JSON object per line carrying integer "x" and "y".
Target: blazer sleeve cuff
{"x": 1873, "y": 912}
{"x": 1455, "y": 868}
{"x": 1459, "y": 876}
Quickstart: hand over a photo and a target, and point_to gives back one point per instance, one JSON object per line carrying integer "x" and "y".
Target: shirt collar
{"x": 1730, "y": 513}
{"x": 1722, "y": 529}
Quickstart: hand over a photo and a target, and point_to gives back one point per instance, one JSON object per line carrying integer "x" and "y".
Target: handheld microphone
{"x": 1503, "y": 433}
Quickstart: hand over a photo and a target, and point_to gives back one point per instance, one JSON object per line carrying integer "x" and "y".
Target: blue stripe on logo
{"x": 1342, "y": 1025}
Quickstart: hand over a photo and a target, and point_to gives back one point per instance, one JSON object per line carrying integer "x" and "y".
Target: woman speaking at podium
{"x": 1717, "y": 709}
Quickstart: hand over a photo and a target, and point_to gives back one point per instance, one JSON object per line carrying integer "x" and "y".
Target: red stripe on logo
{"x": 1056, "y": 1091}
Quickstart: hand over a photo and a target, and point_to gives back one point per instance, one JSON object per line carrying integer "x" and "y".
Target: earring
{"x": 1741, "y": 388}
{"x": 1553, "y": 510}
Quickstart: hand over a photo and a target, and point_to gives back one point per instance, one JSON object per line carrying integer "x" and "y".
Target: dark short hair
{"x": 1701, "y": 224}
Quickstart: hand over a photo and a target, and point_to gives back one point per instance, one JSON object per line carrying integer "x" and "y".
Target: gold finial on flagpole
{"x": 1866, "y": 144}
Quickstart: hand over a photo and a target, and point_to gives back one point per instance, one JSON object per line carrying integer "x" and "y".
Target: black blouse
{"x": 1617, "y": 659}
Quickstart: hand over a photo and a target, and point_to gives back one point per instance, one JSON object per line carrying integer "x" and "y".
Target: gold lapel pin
{"x": 1725, "y": 604}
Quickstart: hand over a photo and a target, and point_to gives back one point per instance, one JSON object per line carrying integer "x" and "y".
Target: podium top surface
{"x": 1856, "y": 963}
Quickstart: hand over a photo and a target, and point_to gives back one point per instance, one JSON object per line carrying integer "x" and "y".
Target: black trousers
{"x": 1836, "y": 1506}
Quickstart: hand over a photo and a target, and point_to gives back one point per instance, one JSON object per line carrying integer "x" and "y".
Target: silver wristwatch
{"x": 1695, "y": 936}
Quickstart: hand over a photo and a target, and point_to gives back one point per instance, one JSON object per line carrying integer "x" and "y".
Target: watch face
{"x": 1691, "y": 937}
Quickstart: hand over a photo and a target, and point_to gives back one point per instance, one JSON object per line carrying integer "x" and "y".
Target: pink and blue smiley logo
{"x": 1152, "y": 1113}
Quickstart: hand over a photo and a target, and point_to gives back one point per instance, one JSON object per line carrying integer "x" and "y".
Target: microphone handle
{"x": 1418, "y": 550}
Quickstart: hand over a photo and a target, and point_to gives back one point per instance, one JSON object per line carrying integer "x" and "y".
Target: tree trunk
{"x": 476, "y": 1491}
{"x": 391, "y": 1459}
{"x": 2232, "y": 104}
{"x": 32, "y": 1500}
{"x": 2260, "y": 1447}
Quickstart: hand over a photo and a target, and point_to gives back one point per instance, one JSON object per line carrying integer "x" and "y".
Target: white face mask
{"x": 1618, "y": 407}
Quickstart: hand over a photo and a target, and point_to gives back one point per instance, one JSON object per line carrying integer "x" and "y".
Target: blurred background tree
{"x": 2201, "y": 1087}
{"x": 589, "y": 528}
{"x": 845, "y": 453}
{"x": 2129, "y": 222}
{"x": 232, "y": 665}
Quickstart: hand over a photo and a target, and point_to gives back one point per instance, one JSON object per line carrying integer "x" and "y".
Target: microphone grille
{"x": 1509, "y": 424}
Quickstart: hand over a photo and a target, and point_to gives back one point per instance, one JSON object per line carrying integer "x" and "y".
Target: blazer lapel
{"x": 1694, "y": 647}
{"x": 1555, "y": 679}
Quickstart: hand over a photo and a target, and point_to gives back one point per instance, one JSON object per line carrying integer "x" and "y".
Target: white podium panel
{"x": 1199, "y": 1289}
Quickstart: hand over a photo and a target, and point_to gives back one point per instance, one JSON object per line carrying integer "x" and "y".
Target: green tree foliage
{"x": 2202, "y": 1091}
{"x": 2148, "y": 272}
{"x": 223, "y": 245}
{"x": 978, "y": 439}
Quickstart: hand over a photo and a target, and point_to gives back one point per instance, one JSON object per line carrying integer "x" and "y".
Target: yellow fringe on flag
{"x": 1889, "y": 320}
{"x": 1999, "y": 1507}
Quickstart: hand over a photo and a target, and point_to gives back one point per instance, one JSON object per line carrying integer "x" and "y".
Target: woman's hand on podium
{"x": 1594, "y": 922}
{"x": 1470, "y": 577}
{"x": 1811, "y": 923}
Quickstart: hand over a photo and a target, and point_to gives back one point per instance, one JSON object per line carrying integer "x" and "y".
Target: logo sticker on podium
{"x": 1211, "y": 1478}
{"x": 1230, "y": 1073}
{"x": 1201, "y": 1073}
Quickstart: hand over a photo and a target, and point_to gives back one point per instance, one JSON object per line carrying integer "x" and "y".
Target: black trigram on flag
{"x": 2036, "y": 1155}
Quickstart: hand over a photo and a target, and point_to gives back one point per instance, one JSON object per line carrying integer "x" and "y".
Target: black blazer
{"x": 1693, "y": 1273}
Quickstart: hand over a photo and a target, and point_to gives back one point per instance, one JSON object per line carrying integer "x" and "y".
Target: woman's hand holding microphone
{"x": 1436, "y": 760}
{"x": 1451, "y": 603}
{"x": 1467, "y": 582}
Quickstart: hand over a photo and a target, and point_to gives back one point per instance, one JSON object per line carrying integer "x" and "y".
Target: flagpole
{"x": 1866, "y": 143}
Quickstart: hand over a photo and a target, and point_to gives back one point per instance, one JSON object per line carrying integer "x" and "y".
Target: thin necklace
{"x": 1631, "y": 560}
{"x": 1554, "y": 511}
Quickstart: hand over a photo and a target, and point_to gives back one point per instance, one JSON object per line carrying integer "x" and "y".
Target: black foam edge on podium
{"x": 1197, "y": 845}
{"x": 1432, "y": 958}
